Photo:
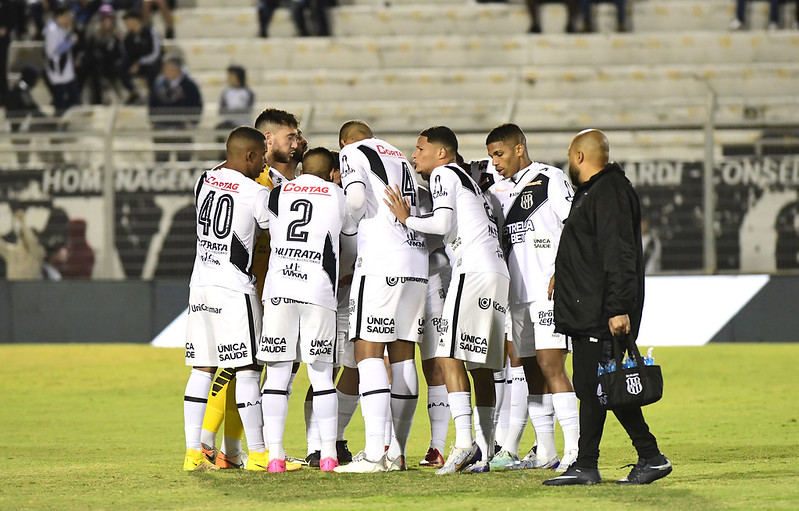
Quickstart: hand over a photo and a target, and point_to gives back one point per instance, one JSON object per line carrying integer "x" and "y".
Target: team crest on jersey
{"x": 526, "y": 200}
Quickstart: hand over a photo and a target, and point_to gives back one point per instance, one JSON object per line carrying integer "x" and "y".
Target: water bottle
{"x": 649, "y": 360}
{"x": 610, "y": 366}
{"x": 629, "y": 362}
{"x": 600, "y": 370}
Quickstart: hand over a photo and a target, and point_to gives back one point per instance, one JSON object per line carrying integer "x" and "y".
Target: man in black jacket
{"x": 599, "y": 293}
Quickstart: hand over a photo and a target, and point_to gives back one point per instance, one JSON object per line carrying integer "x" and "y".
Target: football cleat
{"x": 342, "y": 452}
{"x": 542, "y": 463}
{"x": 276, "y": 466}
{"x": 530, "y": 455}
{"x": 313, "y": 459}
{"x": 195, "y": 460}
{"x": 433, "y": 458}
{"x": 209, "y": 452}
{"x": 481, "y": 467}
{"x": 328, "y": 464}
{"x": 296, "y": 461}
{"x": 503, "y": 459}
{"x": 257, "y": 461}
{"x": 460, "y": 458}
{"x": 569, "y": 457}
{"x": 363, "y": 466}
{"x": 397, "y": 464}
{"x": 647, "y": 471}
{"x": 237, "y": 461}
{"x": 574, "y": 476}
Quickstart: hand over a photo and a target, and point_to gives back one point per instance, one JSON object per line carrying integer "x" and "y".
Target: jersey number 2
{"x": 294, "y": 233}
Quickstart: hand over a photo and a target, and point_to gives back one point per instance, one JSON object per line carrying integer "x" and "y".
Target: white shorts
{"x": 473, "y": 322}
{"x": 296, "y": 331}
{"x": 534, "y": 328}
{"x": 434, "y": 308}
{"x": 384, "y": 309}
{"x": 223, "y": 327}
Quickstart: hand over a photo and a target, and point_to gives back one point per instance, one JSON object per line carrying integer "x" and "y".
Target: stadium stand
{"x": 410, "y": 64}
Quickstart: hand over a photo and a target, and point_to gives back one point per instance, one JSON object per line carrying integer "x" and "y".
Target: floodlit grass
{"x": 101, "y": 427}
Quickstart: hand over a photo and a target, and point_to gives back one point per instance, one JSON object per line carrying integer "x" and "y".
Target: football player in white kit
{"x": 532, "y": 201}
{"x": 473, "y": 321}
{"x": 283, "y": 143}
{"x": 224, "y": 320}
{"x": 306, "y": 217}
{"x": 388, "y": 293}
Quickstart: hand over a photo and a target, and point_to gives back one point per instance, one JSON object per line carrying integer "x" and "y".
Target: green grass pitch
{"x": 101, "y": 427}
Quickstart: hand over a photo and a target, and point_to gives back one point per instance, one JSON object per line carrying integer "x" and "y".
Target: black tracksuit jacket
{"x": 599, "y": 269}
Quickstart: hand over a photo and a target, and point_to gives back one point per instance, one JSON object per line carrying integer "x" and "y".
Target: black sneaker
{"x": 646, "y": 471}
{"x": 575, "y": 475}
{"x": 314, "y": 458}
{"x": 342, "y": 452}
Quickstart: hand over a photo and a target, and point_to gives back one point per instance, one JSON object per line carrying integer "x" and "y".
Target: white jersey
{"x": 58, "y": 51}
{"x": 229, "y": 207}
{"x": 484, "y": 173}
{"x": 305, "y": 221}
{"x": 533, "y": 205}
{"x": 385, "y": 246}
{"x": 473, "y": 236}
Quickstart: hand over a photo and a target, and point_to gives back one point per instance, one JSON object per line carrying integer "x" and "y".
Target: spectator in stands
{"x": 105, "y": 56}
{"x": 78, "y": 255}
{"x": 739, "y": 21}
{"x": 175, "y": 105}
{"x": 237, "y": 100}
{"x": 24, "y": 256}
{"x": 6, "y": 27}
{"x": 142, "y": 46}
{"x": 23, "y": 112}
{"x": 535, "y": 15}
{"x": 266, "y": 9}
{"x": 588, "y": 18}
{"x": 318, "y": 12}
{"x": 59, "y": 40}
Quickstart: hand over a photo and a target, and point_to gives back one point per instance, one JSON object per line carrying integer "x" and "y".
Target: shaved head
{"x": 246, "y": 148}
{"x": 589, "y": 153}
{"x": 595, "y": 145}
{"x": 318, "y": 162}
{"x": 354, "y": 131}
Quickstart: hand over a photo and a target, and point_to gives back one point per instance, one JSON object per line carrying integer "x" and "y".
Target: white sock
{"x": 275, "y": 406}
{"x": 208, "y": 438}
{"x": 566, "y": 410}
{"x": 375, "y": 400}
{"x": 484, "y": 430}
{"x": 325, "y": 406}
{"x": 388, "y": 433}
{"x": 404, "y": 396}
{"x": 195, "y": 398}
{"x": 231, "y": 446}
{"x": 460, "y": 406}
{"x": 502, "y": 408}
{"x": 542, "y": 415}
{"x": 248, "y": 401}
{"x": 346, "y": 408}
{"x": 438, "y": 413}
{"x": 311, "y": 428}
{"x": 518, "y": 410}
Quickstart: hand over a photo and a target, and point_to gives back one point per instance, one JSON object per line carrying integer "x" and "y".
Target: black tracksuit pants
{"x": 587, "y": 354}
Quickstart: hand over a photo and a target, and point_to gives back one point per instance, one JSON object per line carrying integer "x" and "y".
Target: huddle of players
{"x": 500, "y": 250}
